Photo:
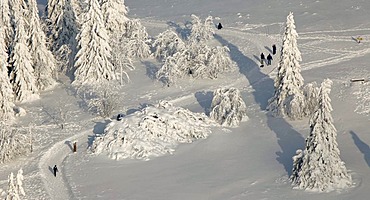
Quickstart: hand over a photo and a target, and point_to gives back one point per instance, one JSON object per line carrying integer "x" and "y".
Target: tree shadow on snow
{"x": 204, "y": 99}
{"x": 151, "y": 70}
{"x": 362, "y": 146}
{"x": 184, "y": 31}
{"x": 289, "y": 140}
{"x": 98, "y": 130}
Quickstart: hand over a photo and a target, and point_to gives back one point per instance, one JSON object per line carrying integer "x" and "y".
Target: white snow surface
{"x": 252, "y": 161}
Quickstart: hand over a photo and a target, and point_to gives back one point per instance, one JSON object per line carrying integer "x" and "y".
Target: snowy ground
{"x": 252, "y": 161}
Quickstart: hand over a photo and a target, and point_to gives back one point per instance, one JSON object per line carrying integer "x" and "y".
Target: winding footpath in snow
{"x": 57, "y": 187}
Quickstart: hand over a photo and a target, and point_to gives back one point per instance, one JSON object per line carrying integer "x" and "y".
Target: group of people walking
{"x": 269, "y": 57}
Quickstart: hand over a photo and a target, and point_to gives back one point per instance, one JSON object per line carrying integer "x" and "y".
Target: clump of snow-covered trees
{"x": 13, "y": 143}
{"x": 26, "y": 65}
{"x": 193, "y": 57}
{"x": 228, "y": 108}
{"x": 151, "y": 132}
{"x": 318, "y": 167}
{"x": 15, "y": 186}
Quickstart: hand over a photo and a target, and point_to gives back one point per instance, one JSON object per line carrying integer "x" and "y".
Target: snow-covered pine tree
{"x": 6, "y": 92}
{"x": 320, "y": 167}
{"x": 115, "y": 16}
{"x": 43, "y": 60}
{"x": 228, "y": 107}
{"x": 62, "y": 31}
{"x": 201, "y": 31}
{"x": 12, "y": 193}
{"x": 167, "y": 44}
{"x": 135, "y": 39}
{"x": 288, "y": 99}
{"x": 92, "y": 62}
{"x": 22, "y": 73}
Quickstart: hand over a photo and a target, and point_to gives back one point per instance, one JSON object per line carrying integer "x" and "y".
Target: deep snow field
{"x": 249, "y": 162}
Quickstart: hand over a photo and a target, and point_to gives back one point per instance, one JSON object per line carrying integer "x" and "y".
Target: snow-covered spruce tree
{"x": 92, "y": 62}
{"x": 5, "y": 23}
{"x": 311, "y": 92}
{"x": 228, "y": 107}
{"x": 115, "y": 16}
{"x": 43, "y": 60}
{"x": 201, "y": 31}
{"x": 13, "y": 143}
{"x": 22, "y": 73}
{"x": 62, "y": 31}
{"x": 320, "y": 168}
{"x": 135, "y": 39}
{"x": 151, "y": 132}
{"x": 167, "y": 44}
{"x": 6, "y": 92}
{"x": 288, "y": 99}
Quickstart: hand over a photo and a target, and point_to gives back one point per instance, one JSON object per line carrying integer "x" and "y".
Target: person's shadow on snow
{"x": 268, "y": 49}
{"x": 362, "y": 146}
{"x": 68, "y": 143}
{"x": 51, "y": 170}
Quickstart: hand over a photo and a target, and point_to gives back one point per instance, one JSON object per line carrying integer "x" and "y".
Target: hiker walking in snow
{"x": 55, "y": 170}
{"x": 262, "y": 58}
{"x": 219, "y": 26}
{"x": 273, "y": 49}
{"x": 269, "y": 58}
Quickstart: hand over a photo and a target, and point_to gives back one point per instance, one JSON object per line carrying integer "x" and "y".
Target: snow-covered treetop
{"x": 151, "y": 132}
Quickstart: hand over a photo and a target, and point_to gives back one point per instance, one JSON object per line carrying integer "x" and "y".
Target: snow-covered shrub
{"x": 228, "y": 108}
{"x": 104, "y": 100}
{"x": 13, "y": 143}
{"x": 153, "y": 131}
{"x": 167, "y": 44}
{"x": 320, "y": 167}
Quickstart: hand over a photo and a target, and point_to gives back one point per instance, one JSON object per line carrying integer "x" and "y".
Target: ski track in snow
{"x": 59, "y": 188}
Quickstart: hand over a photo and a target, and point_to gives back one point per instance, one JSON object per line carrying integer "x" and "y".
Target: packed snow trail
{"x": 57, "y": 187}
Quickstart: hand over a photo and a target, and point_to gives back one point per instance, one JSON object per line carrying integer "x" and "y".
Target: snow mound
{"x": 151, "y": 132}
{"x": 363, "y": 96}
